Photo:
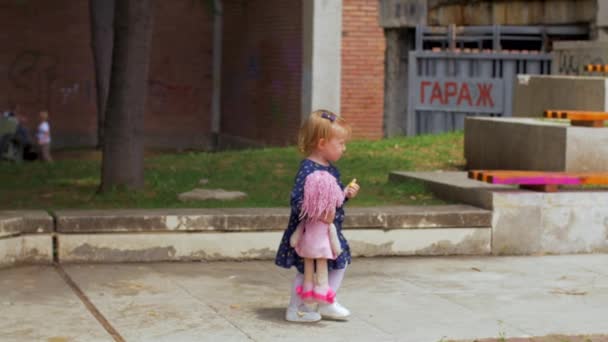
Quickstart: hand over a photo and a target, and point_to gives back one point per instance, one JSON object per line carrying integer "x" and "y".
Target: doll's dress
{"x": 315, "y": 243}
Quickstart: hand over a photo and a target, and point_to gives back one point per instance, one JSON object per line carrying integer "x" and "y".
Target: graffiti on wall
{"x": 31, "y": 75}
{"x": 573, "y": 62}
{"x": 166, "y": 97}
{"x": 34, "y": 81}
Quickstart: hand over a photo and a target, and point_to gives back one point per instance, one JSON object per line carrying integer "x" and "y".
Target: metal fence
{"x": 459, "y": 71}
{"x": 446, "y": 86}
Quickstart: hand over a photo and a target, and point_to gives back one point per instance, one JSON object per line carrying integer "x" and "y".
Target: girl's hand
{"x": 352, "y": 189}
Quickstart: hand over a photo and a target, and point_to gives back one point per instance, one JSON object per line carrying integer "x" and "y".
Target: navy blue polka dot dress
{"x": 286, "y": 255}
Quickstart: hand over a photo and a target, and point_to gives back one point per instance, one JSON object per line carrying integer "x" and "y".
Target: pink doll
{"x": 316, "y": 240}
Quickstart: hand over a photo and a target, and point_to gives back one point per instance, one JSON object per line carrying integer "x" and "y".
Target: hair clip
{"x": 331, "y": 117}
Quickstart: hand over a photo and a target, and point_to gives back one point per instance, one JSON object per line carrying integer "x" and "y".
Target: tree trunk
{"x": 102, "y": 36}
{"x": 123, "y": 155}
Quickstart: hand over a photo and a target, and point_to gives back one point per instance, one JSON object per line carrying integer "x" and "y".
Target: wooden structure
{"x": 596, "y": 68}
{"x": 539, "y": 180}
{"x": 578, "y": 117}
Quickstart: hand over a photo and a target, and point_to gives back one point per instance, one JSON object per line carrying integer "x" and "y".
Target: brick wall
{"x": 179, "y": 93}
{"x": 363, "y": 48}
{"x": 46, "y": 62}
{"x": 261, "y": 71}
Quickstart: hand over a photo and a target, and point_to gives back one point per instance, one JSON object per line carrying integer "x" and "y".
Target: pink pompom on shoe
{"x": 305, "y": 292}
{"x": 324, "y": 297}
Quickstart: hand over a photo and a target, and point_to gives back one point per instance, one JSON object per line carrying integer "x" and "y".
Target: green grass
{"x": 266, "y": 175}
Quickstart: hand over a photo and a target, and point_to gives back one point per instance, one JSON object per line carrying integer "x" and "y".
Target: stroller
{"x": 14, "y": 143}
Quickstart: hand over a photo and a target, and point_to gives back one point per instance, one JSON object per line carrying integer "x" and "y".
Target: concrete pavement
{"x": 392, "y": 299}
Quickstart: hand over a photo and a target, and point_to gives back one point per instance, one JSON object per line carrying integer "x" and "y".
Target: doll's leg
{"x": 322, "y": 292}
{"x": 305, "y": 291}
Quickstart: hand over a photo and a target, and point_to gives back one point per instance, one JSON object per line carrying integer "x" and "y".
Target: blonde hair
{"x": 320, "y": 124}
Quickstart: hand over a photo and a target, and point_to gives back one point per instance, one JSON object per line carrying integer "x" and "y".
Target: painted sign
{"x": 459, "y": 95}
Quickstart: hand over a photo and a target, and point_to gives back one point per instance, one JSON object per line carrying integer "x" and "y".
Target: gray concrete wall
{"x": 140, "y": 235}
{"x": 322, "y": 58}
{"x": 526, "y": 222}
{"x": 25, "y": 237}
{"x": 570, "y": 57}
{"x": 531, "y": 144}
{"x": 514, "y": 144}
{"x": 246, "y": 233}
{"x": 602, "y": 20}
{"x": 533, "y": 94}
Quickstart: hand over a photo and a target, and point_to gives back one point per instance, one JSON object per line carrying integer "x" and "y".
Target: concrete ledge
{"x": 254, "y": 233}
{"x": 550, "y": 223}
{"x": 31, "y": 249}
{"x": 533, "y": 94}
{"x": 527, "y": 222}
{"x": 212, "y": 246}
{"x": 16, "y": 222}
{"x": 531, "y": 144}
{"x": 230, "y": 234}
{"x": 260, "y": 219}
{"x": 453, "y": 186}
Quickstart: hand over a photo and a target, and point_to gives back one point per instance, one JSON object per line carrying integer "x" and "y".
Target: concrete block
{"x": 256, "y": 219}
{"x": 527, "y": 222}
{"x": 516, "y": 230}
{"x": 151, "y": 247}
{"x": 440, "y": 241}
{"x": 531, "y": 144}
{"x": 533, "y": 94}
{"x": 553, "y": 223}
{"x": 139, "y": 220}
{"x": 441, "y": 216}
{"x": 570, "y": 57}
{"x": 15, "y": 222}
{"x": 453, "y": 186}
{"x": 31, "y": 249}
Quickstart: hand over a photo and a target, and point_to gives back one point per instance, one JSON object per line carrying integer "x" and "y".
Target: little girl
{"x": 322, "y": 139}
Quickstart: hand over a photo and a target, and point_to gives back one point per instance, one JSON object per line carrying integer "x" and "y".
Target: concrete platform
{"x": 527, "y": 222}
{"x": 25, "y": 237}
{"x": 453, "y": 186}
{"x": 244, "y": 234}
{"x": 230, "y": 234}
{"x": 532, "y": 144}
{"x": 392, "y": 299}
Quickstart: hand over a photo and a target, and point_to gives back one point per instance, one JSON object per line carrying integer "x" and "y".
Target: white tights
{"x": 334, "y": 278}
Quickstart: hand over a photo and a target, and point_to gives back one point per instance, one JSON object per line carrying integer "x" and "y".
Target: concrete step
{"x": 25, "y": 237}
{"x": 454, "y": 186}
{"x": 528, "y": 222}
{"x": 254, "y": 233}
{"x": 232, "y": 234}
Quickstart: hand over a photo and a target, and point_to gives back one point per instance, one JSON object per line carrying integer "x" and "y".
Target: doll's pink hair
{"x": 321, "y": 192}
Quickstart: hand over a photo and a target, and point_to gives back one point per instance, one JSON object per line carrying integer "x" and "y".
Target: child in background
{"x": 322, "y": 139}
{"x": 43, "y": 137}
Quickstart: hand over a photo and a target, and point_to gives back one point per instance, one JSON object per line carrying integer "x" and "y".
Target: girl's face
{"x": 333, "y": 148}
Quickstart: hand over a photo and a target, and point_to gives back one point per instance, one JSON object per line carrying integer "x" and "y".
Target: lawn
{"x": 266, "y": 175}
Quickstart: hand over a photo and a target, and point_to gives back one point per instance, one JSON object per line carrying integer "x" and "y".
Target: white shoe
{"x": 302, "y": 314}
{"x": 334, "y": 311}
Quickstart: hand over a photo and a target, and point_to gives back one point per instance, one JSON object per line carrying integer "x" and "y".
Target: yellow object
{"x": 354, "y": 181}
